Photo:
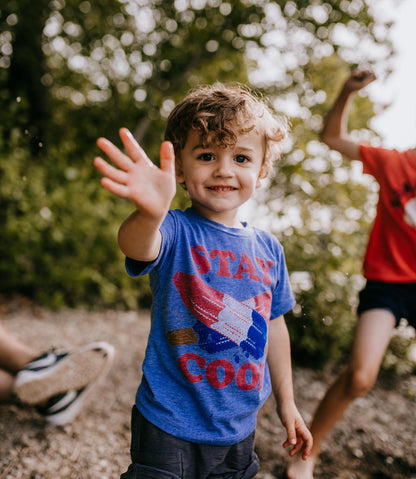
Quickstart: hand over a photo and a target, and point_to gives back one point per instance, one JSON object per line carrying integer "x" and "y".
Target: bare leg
{"x": 372, "y": 337}
{"x": 14, "y": 355}
{"x": 6, "y": 385}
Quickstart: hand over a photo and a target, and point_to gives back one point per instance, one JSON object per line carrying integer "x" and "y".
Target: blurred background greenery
{"x": 72, "y": 71}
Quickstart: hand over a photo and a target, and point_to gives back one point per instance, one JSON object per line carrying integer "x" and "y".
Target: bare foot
{"x": 300, "y": 469}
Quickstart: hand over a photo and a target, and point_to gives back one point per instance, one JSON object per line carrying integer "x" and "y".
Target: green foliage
{"x": 58, "y": 242}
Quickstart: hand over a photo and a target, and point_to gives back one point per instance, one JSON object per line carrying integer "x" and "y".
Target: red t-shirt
{"x": 391, "y": 250}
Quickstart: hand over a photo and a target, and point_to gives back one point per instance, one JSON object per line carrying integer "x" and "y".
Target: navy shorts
{"x": 399, "y": 298}
{"x": 158, "y": 455}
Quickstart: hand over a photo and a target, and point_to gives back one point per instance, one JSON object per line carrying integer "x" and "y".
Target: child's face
{"x": 219, "y": 180}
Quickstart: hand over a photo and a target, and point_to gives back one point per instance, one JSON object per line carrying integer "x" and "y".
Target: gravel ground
{"x": 374, "y": 440}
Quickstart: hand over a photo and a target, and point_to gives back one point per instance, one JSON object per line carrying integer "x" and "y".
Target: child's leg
{"x": 13, "y": 356}
{"x": 6, "y": 385}
{"x": 372, "y": 336}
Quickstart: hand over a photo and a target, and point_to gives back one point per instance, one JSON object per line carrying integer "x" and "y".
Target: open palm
{"x": 135, "y": 177}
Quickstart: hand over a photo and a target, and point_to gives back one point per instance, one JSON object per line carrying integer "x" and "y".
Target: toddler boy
{"x": 220, "y": 290}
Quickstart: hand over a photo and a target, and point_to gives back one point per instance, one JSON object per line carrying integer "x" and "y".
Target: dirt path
{"x": 376, "y": 439}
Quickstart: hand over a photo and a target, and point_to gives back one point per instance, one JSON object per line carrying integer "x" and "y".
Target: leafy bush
{"x": 58, "y": 229}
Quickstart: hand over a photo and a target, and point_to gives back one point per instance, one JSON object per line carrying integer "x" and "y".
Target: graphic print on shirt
{"x": 406, "y": 199}
{"x": 410, "y": 212}
{"x": 223, "y": 322}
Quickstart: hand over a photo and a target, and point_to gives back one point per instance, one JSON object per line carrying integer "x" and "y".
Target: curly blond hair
{"x": 220, "y": 114}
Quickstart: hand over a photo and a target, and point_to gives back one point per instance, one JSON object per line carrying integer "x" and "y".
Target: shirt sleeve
{"x": 375, "y": 160}
{"x": 283, "y": 299}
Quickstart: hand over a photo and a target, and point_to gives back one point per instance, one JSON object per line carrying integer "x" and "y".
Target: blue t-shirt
{"x": 214, "y": 288}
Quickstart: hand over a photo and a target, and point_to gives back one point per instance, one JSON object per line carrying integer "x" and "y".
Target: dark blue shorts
{"x": 158, "y": 455}
{"x": 399, "y": 298}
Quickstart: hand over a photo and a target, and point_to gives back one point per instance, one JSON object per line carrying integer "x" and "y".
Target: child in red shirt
{"x": 389, "y": 267}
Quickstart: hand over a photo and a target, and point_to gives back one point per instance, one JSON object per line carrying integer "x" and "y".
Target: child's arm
{"x": 150, "y": 188}
{"x": 335, "y": 133}
{"x": 280, "y": 367}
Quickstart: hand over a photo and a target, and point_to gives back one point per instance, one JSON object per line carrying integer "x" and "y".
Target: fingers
{"x": 167, "y": 157}
{"x": 291, "y": 436}
{"x": 364, "y": 76}
{"x": 297, "y": 446}
{"x": 307, "y": 449}
{"x": 133, "y": 148}
{"x": 115, "y": 188}
{"x": 302, "y": 440}
{"x": 306, "y": 442}
{"x": 109, "y": 171}
{"x": 115, "y": 155}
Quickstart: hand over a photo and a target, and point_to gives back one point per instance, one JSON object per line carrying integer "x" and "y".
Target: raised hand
{"x": 358, "y": 79}
{"x": 135, "y": 177}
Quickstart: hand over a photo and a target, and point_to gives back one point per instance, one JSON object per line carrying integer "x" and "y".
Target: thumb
{"x": 167, "y": 157}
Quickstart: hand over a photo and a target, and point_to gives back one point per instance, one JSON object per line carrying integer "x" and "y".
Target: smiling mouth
{"x": 222, "y": 188}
